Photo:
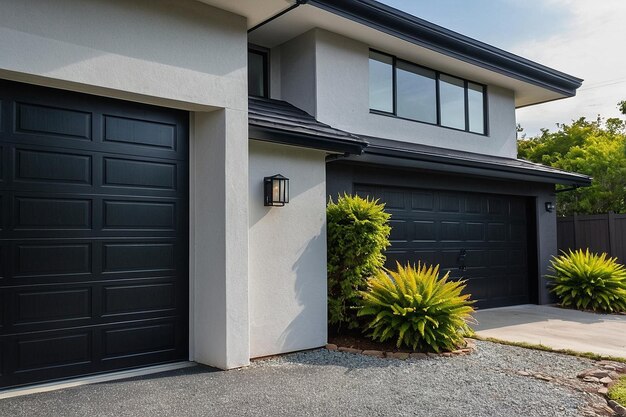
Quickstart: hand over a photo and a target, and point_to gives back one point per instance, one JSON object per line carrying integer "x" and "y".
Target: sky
{"x": 583, "y": 38}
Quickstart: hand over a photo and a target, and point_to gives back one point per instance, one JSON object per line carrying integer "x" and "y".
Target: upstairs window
{"x": 412, "y": 92}
{"x": 258, "y": 72}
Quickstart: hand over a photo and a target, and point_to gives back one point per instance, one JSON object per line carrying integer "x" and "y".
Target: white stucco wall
{"x": 287, "y": 252}
{"x": 182, "y": 54}
{"x": 341, "y": 98}
{"x": 297, "y": 72}
{"x": 163, "y": 51}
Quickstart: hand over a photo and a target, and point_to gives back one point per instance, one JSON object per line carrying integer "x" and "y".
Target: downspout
{"x": 279, "y": 14}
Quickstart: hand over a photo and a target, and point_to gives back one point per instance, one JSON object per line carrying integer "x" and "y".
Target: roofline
{"x": 269, "y": 134}
{"x": 475, "y": 167}
{"x": 428, "y": 35}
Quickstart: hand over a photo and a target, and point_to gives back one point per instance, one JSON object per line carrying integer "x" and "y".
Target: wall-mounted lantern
{"x": 276, "y": 190}
{"x": 550, "y": 206}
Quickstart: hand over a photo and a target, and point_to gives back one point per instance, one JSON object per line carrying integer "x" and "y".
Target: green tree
{"x": 595, "y": 148}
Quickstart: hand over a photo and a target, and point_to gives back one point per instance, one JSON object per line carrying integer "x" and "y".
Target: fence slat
{"x": 598, "y": 233}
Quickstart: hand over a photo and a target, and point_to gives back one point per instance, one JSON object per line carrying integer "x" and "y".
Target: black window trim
{"x": 265, "y": 53}
{"x": 466, "y": 82}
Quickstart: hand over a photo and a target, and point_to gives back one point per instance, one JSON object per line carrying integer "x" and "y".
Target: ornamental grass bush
{"x": 417, "y": 308}
{"x": 588, "y": 281}
{"x": 357, "y": 232}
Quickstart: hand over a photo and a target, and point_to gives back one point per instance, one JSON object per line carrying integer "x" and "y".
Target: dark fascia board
{"x": 477, "y": 167}
{"x": 268, "y": 134}
{"x": 420, "y": 32}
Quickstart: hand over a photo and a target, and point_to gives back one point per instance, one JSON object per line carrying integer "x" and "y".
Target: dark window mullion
{"x": 437, "y": 74}
{"x": 466, "y": 107}
{"x": 485, "y": 112}
{"x": 395, "y": 86}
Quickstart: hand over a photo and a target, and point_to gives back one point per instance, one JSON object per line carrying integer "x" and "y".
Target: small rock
{"x": 331, "y": 346}
{"x": 418, "y": 355}
{"x": 432, "y": 355}
{"x": 466, "y": 350}
{"x": 447, "y": 354}
{"x": 523, "y": 373}
{"x": 457, "y": 352}
{"x": 613, "y": 375}
{"x": 603, "y": 391}
{"x": 401, "y": 355}
{"x": 606, "y": 380}
{"x": 598, "y": 373}
{"x": 375, "y": 353}
{"x": 543, "y": 377}
{"x": 610, "y": 367}
{"x": 348, "y": 350}
{"x": 591, "y": 379}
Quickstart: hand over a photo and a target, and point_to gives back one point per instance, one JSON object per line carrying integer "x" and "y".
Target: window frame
{"x": 438, "y": 74}
{"x": 265, "y": 54}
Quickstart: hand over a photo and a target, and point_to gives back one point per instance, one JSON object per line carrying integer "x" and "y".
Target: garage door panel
{"x": 449, "y": 203}
{"x": 475, "y": 231}
{"x": 131, "y": 215}
{"x": 43, "y": 122}
{"x": 138, "y": 297}
{"x": 46, "y": 259}
{"x": 52, "y": 350}
{"x": 490, "y": 229}
{"x": 138, "y": 256}
{"x": 424, "y": 231}
{"x": 141, "y": 133}
{"x": 37, "y": 306}
{"x": 34, "y": 165}
{"x": 422, "y": 201}
{"x": 52, "y": 213}
{"x": 137, "y": 340}
{"x": 93, "y": 234}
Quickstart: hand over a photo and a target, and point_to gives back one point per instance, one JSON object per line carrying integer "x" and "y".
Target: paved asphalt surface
{"x": 323, "y": 383}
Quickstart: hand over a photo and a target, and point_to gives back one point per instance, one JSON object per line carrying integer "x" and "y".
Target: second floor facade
{"x": 371, "y": 83}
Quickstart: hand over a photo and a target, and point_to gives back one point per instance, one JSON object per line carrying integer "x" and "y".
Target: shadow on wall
{"x": 309, "y": 328}
{"x": 175, "y": 28}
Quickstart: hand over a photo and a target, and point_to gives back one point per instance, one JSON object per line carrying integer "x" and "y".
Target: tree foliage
{"x": 596, "y": 148}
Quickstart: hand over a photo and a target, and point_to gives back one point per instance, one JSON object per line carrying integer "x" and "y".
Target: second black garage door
{"x": 478, "y": 237}
{"x": 93, "y": 238}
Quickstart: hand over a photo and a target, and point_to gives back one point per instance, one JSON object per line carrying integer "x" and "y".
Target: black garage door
{"x": 93, "y": 239}
{"x": 478, "y": 237}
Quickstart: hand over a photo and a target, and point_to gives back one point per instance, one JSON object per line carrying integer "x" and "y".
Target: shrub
{"x": 587, "y": 280}
{"x": 358, "y": 232}
{"x": 417, "y": 308}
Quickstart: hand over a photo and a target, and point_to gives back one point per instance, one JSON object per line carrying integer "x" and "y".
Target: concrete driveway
{"x": 555, "y": 327}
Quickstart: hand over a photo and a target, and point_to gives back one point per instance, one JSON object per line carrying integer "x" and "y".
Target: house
{"x": 132, "y": 162}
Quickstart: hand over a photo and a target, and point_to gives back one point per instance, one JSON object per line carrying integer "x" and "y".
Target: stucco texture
{"x": 287, "y": 259}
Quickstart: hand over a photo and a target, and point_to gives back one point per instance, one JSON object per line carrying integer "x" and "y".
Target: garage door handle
{"x": 461, "y": 260}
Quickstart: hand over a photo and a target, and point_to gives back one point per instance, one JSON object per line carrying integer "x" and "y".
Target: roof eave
{"x": 420, "y": 32}
{"x": 479, "y": 167}
{"x": 284, "y": 137}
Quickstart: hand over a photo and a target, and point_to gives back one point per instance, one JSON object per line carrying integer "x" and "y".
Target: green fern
{"x": 417, "y": 308}
{"x": 588, "y": 281}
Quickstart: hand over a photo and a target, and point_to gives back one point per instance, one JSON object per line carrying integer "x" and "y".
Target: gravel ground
{"x": 324, "y": 383}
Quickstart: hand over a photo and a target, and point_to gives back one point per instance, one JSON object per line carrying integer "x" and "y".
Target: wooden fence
{"x": 598, "y": 232}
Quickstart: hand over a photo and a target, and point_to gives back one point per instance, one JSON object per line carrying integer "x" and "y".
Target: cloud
{"x": 591, "y": 45}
